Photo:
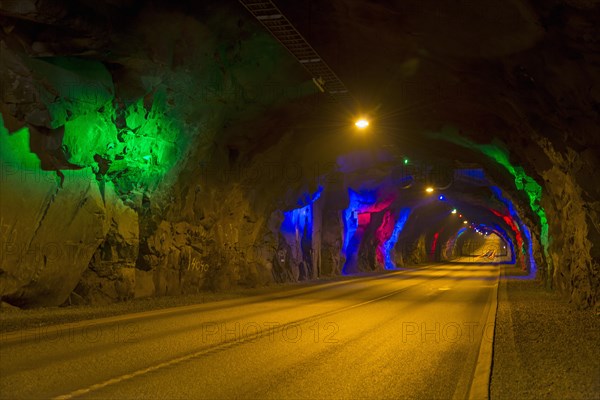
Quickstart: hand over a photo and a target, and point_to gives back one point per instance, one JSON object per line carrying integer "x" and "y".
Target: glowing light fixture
{"x": 362, "y": 123}
{"x": 454, "y": 211}
{"x": 405, "y": 161}
{"x": 429, "y": 190}
{"x": 442, "y": 197}
{"x": 465, "y": 222}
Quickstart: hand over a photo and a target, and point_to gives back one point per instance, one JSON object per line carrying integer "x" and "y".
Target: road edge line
{"x": 220, "y": 346}
{"x": 480, "y": 384}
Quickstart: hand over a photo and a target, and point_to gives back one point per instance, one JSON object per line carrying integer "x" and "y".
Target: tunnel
{"x": 168, "y": 148}
{"x": 173, "y": 171}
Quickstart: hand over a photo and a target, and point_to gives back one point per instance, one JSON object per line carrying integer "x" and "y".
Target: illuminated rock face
{"x": 575, "y": 222}
{"x": 163, "y": 157}
{"x": 111, "y": 274}
{"x": 49, "y": 235}
{"x": 110, "y": 188}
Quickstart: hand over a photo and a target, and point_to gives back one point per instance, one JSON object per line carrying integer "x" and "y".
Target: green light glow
{"x": 139, "y": 143}
{"x": 14, "y": 151}
{"x": 136, "y": 154}
{"x": 132, "y": 145}
{"x": 20, "y": 168}
{"x": 498, "y": 152}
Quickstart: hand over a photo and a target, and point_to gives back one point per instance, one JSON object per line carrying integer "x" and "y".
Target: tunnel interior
{"x": 405, "y": 217}
{"x": 164, "y": 148}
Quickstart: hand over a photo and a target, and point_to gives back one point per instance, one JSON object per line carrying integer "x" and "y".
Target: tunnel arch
{"x": 381, "y": 209}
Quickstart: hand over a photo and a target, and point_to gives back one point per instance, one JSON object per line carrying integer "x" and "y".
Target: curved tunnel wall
{"x": 385, "y": 225}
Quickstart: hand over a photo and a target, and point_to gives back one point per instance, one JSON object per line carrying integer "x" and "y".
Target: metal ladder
{"x": 267, "y": 13}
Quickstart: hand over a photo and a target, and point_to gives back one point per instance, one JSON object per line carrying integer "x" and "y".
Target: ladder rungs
{"x": 272, "y": 16}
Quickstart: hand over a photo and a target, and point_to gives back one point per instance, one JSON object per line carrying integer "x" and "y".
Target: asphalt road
{"x": 409, "y": 334}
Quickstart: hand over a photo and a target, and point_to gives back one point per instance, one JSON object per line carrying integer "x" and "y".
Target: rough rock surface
{"x": 40, "y": 264}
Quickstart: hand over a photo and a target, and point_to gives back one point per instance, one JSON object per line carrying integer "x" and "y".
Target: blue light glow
{"x": 299, "y": 220}
{"x": 532, "y": 264}
{"x": 356, "y": 204}
{"x": 391, "y": 242}
{"x": 359, "y": 202}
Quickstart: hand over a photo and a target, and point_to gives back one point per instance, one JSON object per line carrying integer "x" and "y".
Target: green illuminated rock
{"x": 109, "y": 141}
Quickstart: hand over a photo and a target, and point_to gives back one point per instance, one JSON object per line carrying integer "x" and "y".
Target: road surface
{"x": 408, "y": 334}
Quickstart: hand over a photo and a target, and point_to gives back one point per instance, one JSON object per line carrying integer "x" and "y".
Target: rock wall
{"x": 41, "y": 265}
{"x": 574, "y": 225}
{"x": 415, "y": 251}
{"x": 107, "y": 152}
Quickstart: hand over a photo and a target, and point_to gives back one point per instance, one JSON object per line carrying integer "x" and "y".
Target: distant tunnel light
{"x": 442, "y": 197}
{"x": 454, "y": 211}
{"x": 465, "y": 222}
{"x": 429, "y": 190}
{"x": 362, "y": 123}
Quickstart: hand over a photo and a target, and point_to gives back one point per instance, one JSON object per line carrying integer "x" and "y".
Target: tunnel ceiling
{"x": 193, "y": 114}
